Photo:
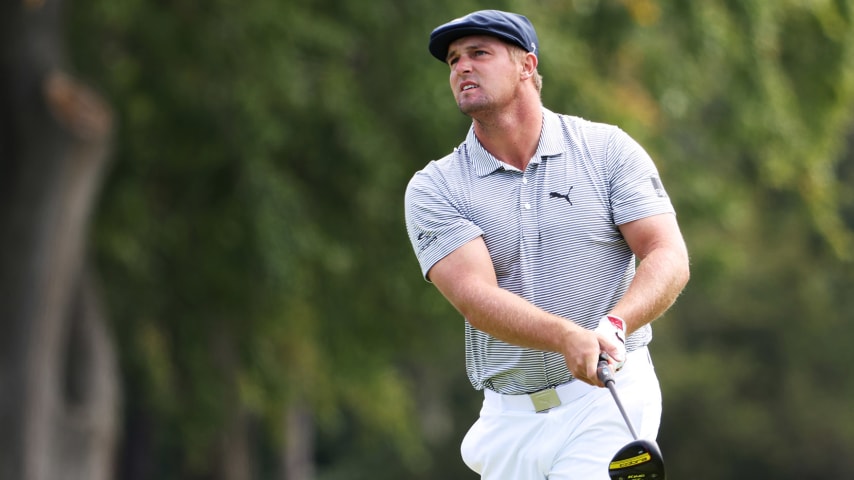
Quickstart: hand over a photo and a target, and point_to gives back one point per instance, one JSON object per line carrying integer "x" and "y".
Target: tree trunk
{"x": 233, "y": 451}
{"x": 58, "y": 380}
{"x": 298, "y": 455}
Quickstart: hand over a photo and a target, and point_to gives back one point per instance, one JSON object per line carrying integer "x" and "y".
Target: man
{"x": 532, "y": 228}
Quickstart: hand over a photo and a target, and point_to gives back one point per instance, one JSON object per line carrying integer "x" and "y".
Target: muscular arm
{"x": 661, "y": 274}
{"x": 467, "y": 279}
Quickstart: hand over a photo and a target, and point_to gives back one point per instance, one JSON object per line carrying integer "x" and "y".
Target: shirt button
{"x": 527, "y": 206}
{"x": 525, "y": 180}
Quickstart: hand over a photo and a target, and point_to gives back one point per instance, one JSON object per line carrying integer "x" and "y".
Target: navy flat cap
{"x": 510, "y": 27}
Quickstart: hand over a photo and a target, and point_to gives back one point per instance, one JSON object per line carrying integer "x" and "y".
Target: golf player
{"x": 555, "y": 239}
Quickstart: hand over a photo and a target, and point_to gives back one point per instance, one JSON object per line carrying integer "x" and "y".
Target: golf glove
{"x": 613, "y": 326}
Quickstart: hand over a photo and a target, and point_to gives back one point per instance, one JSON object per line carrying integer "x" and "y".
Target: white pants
{"x": 574, "y": 441}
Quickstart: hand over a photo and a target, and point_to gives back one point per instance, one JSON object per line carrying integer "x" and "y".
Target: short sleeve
{"x": 434, "y": 218}
{"x": 636, "y": 187}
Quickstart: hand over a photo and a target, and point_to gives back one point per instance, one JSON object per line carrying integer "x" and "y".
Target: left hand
{"x": 613, "y": 329}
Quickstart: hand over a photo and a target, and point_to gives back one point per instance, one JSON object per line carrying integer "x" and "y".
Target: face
{"x": 484, "y": 76}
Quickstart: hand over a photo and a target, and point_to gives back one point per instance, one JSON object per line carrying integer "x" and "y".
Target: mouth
{"x": 466, "y": 86}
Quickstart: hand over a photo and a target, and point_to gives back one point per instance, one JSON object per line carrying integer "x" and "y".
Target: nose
{"x": 462, "y": 66}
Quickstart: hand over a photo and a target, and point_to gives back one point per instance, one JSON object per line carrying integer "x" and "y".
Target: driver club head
{"x": 638, "y": 460}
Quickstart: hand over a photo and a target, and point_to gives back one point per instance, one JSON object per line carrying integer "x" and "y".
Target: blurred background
{"x": 205, "y": 272}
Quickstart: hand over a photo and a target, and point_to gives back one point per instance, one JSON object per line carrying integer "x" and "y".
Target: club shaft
{"x": 613, "y": 390}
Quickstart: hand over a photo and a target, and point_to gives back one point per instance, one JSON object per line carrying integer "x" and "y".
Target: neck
{"x": 511, "y": 135}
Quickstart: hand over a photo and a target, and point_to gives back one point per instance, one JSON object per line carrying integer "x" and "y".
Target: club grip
{"x": 603, "y": 371}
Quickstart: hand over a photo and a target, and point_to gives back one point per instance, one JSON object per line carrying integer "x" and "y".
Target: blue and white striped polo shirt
{"x": 551, "y": 232}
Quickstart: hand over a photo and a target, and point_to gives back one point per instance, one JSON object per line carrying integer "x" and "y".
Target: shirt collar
{"x": 550, "y": 144}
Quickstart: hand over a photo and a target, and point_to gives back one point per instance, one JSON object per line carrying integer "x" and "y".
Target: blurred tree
{"x": 58, "y": 375}
{"x": 266, "y": 298}
{"x": 252, "y": 230}
{"x": 746, "y": 106}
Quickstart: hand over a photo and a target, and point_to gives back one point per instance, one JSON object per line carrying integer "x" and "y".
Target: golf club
{"x": 640, "y": 459}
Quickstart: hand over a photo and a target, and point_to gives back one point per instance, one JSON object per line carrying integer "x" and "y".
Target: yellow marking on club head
{"x": 629, "y": 462}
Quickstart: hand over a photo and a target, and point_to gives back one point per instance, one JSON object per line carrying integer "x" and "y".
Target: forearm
{"x": 467, "y": 279}
{"x": 659, "y": 280}
{"x": 512, "y": 319}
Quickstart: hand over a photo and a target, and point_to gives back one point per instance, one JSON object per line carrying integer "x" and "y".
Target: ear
{"x": 529, "y": 65}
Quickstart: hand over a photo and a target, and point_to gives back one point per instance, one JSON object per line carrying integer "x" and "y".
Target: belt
{"x": 548, "y": 398}
{"x": 540, "y": 401}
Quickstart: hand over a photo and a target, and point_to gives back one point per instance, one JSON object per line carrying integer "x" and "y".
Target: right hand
{"x": 581, "y": 353}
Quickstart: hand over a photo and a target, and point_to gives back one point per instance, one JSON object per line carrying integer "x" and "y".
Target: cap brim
{"x": 440, "y": 42}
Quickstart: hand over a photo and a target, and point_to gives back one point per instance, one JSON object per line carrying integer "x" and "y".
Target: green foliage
{"x": 251, "y": 239}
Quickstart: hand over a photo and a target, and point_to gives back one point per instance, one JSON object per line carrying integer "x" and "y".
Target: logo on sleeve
{"x": 657, "y": 186}
{"x": 425, "y": 239}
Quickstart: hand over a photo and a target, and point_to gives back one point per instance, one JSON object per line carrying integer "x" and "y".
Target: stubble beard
{"x": 475, "y": 107}
{"x": 471, "y": 110}
{"x": 482, "y": 106}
